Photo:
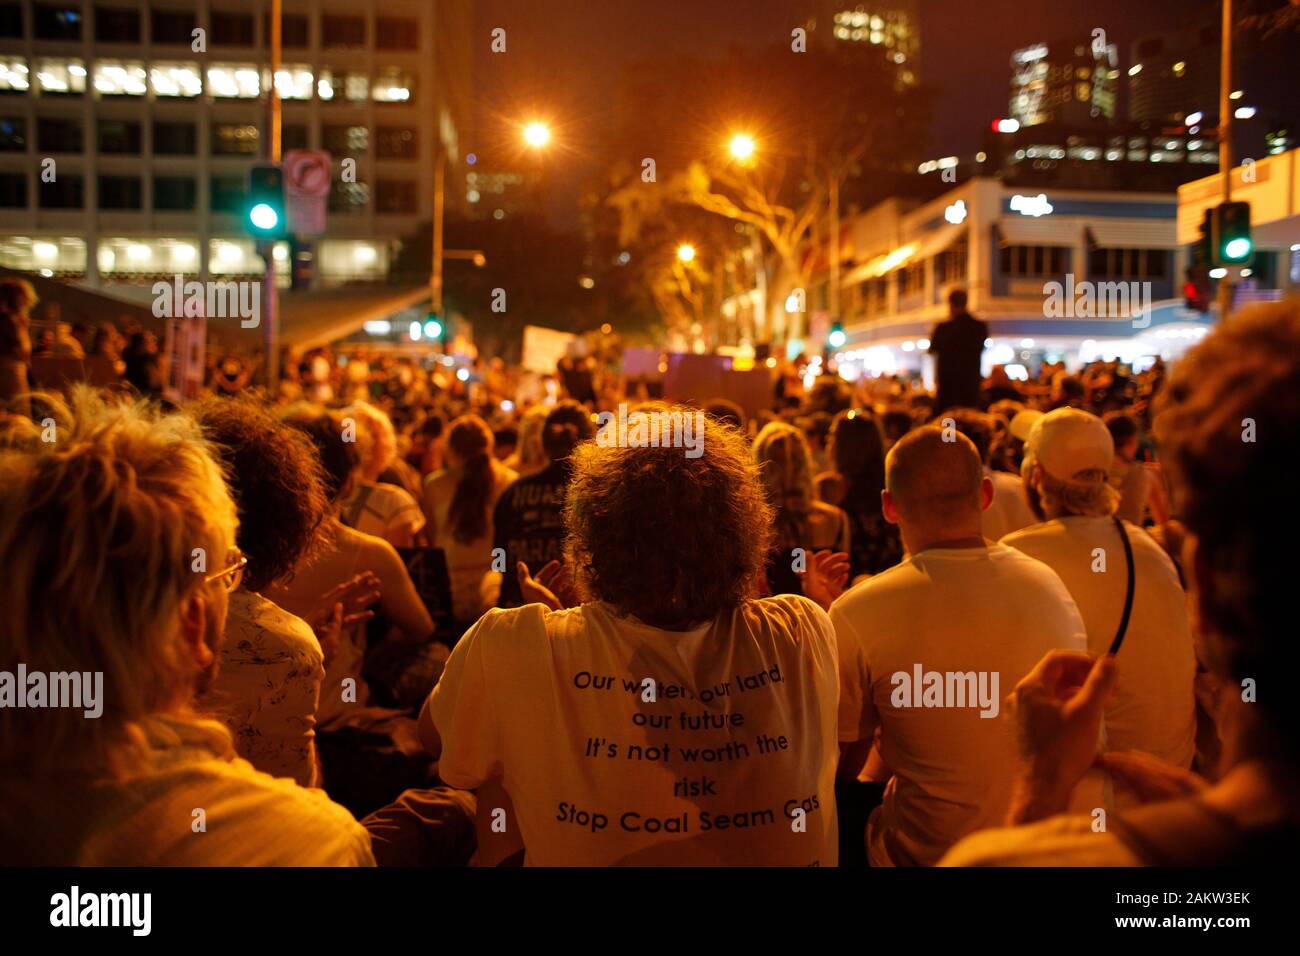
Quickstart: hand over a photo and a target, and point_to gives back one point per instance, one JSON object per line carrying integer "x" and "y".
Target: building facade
{"x": 127, "y": 129}
{"x": 1068, "y": 275}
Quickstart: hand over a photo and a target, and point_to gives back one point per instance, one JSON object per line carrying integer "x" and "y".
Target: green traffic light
{"x": 432, "y": 329}
{"x": 264, "y": 216}
{"x": 1237, "y": 249}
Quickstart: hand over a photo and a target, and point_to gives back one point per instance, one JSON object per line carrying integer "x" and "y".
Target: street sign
{"x": 307, "y": 174}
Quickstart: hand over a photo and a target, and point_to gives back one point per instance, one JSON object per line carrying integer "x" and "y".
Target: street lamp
{"x": 686, "y": 252}
{"x": 741, "y": 146}
{"x": 537, "y": 135}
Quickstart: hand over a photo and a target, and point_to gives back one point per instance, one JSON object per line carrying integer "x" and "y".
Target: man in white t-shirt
{"x": 1009, "y": 510}
{"x": 670, "y": 719}
{"x": 929, "y": 648}
{"x": 1067, "y": 457}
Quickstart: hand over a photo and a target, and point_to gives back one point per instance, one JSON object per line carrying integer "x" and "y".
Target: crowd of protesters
{"x": 395, "y": 614}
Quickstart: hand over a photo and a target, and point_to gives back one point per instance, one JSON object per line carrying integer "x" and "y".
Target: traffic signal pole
{"x": 1228, "y": 284}
{"x": 270, "y": 294}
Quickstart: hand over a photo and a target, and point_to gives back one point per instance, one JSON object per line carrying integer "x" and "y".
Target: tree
{"x": 823, "y": 123}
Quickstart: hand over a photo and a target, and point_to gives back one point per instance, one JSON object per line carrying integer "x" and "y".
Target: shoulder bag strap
{"x": 1128, "y": 596}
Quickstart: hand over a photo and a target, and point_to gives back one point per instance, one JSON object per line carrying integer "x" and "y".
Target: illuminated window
{"x": 13, "y": 75}
{"x": 119, "y": 78}
{"x": 61, "y": 76}
{"x": 62, "y": 254}
{"x": 345, "y": 140}
{"x": 175, "y": 79}
{"x": 394, "y": 86}
{"x": 294, "y": 82}
{"x": 349, "y": 197}
{"x": 234, "y": 139}
{"x": 349, "y": 85}
{"x": 233, "y": 257}
{"x": 235, "y": 81}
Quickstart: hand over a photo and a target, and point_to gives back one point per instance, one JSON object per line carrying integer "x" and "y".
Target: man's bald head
{"x": 934, "y": 476}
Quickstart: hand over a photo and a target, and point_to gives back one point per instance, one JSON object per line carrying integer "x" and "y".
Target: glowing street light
{"x": 537, "y": 135}
{"x": 686, "y": 252}
{"x": 741, "y": 146}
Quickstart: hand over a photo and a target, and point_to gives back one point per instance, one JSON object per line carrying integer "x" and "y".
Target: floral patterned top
{"x": 268, "y": 687}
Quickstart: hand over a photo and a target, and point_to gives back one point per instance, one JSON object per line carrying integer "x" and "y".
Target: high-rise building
{"x": 894, "y": 26}
{"x": 1071, "y": 82}
{"x": 1174, "y": 75}
{"x": 127, "y": 129}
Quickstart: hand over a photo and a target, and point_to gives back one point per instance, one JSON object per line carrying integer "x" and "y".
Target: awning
{"x": 1038, "y": 231}
{"x": 1134, "y": 234}
{"x": 311, "y": 319}
{"x": 936, "y": 242}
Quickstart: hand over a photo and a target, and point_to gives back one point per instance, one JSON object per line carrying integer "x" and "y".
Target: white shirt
{"x": 268, "y": 686}
{"x": 380, "y": 509}
{"x": 1153, "y": 707}
{"x": 553, "y": 705}
{"x": 1065, "y": 840}
{"x": 1010, "y": 510}
{"x": 989, "y": 611}
{"x": 187, "y": 800}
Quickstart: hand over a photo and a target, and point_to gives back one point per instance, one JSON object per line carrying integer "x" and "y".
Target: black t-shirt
{"x": 957, "y": 346}
{"x": 529, "y": 524}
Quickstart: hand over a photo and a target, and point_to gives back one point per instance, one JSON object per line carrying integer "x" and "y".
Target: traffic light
{"x": 433, "y": 328}
{"x": 264, "y": 208}
{"x": 836, "y": 338}
{"x": 1230, "y": 241}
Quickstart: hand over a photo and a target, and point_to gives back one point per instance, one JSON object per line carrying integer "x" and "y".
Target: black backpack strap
{"x": 1128, "y": 595}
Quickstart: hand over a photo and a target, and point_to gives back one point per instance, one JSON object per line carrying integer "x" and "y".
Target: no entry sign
{"x": 307, "y": 175}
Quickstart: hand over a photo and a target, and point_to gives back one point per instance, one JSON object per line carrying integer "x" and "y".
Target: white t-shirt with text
{"x": 731, "y": 763}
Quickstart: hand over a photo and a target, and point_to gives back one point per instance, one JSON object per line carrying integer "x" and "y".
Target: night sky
{"x": 564, "y": 58}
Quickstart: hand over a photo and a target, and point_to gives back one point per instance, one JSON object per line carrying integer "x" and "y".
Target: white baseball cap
{"x": 1022, "y": 423}
{"x": 1068, "y": 441}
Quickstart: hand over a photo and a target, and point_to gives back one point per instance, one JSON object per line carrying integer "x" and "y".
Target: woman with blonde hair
{"x": 458, "y": 502}
{"x": 118, "y": 543}
{"x": 373, "y": 506}
{"x": 530, "y": 456}
{"x": 801, "y": 521}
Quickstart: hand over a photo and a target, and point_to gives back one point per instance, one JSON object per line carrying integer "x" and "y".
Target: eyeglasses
{"x": 233, "y": 573}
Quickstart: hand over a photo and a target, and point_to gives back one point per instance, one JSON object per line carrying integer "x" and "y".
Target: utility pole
{"x": 1228, "y": 284}
{"x": 835, "y": 247}
{"x": 439, "y": 192}
{"x": 270, "y": 294}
